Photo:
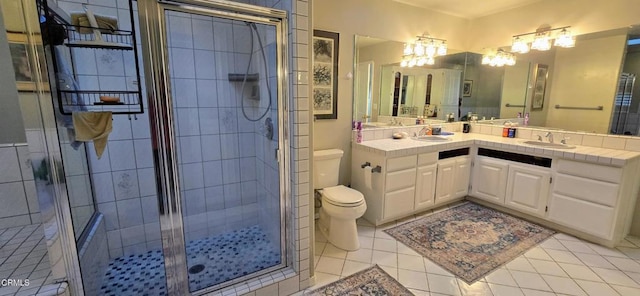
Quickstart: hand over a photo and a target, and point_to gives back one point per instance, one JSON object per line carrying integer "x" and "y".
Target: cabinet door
{"x": 489, "y": 179}
{"x": 582, "y": 215}
{"x": 462, "y": 174}
{"x": 425, "y": 186}
{"x": 444, "y": 180}
{"x": 398, "y": 203}
{"x": 528, "y": 189}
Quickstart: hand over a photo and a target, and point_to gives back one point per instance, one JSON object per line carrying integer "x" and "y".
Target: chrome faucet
{"x": 424, "y": 131}
{"x": 564, "y": 140}
{"x": 540, "y": 138}
{"x": 549, "y": 136}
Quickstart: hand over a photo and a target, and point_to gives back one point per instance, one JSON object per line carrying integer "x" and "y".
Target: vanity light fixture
{"x": 541, "y": 39}
{"x": 423, "y": 51}
{"x": 499, "y": 59}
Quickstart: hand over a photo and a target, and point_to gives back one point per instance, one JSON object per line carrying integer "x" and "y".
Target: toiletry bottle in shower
{"x": 359, "y": 132}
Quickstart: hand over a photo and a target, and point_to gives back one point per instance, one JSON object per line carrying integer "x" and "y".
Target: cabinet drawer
{"x": 398, "y": 202}
{"x": 427, "y": 158}
{"x": 401, "y": 163}
{"x": 599, "y": 192}
{"x": 581, "y": 215}
{"x": 400, "y": 179}
{"x": 591, "y": 171}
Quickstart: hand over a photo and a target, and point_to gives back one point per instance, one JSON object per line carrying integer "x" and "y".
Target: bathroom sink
{"x": 431, "y": 138}
{"x": 548, "y": 145}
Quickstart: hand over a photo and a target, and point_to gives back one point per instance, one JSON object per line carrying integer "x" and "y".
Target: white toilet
{"x": 341, "y": 205}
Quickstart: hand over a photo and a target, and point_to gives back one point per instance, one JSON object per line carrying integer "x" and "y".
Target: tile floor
{"x": 222, "y": 258}
{"x": 23, "y": 255}
{"x": 562, "y": 265}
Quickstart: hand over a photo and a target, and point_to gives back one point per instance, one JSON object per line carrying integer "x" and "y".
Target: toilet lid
{"x": 342, "y": 195}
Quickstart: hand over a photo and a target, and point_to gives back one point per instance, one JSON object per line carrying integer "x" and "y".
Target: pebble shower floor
{"x": 225, "y": 257}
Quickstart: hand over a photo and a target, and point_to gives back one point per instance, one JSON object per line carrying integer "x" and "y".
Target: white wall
{"x": 584, "y": 16}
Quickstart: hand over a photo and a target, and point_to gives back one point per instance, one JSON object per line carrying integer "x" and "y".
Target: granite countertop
{"x": 408, "y": 146}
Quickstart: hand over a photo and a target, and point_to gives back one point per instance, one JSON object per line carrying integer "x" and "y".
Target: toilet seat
{"x": 342, "y": 196}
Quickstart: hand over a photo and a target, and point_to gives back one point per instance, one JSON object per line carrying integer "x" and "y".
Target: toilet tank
{"x": 326, "y": 168}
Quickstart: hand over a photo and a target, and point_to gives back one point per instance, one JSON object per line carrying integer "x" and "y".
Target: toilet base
{"x": 339, "y": 232}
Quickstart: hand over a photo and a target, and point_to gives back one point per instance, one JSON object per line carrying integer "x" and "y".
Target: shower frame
{"x": 163, "y": 134}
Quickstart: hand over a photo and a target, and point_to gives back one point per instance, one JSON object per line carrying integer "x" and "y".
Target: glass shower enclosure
{"x": 217, "y": 90}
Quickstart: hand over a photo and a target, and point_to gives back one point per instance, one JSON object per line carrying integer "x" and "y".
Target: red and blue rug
{"x": 371, "y": 281}
{"x": 470, "y": 240}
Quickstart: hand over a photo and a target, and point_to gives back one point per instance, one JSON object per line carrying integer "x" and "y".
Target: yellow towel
{"x": 106, "y": 24}
{"x": 94, "y": 126}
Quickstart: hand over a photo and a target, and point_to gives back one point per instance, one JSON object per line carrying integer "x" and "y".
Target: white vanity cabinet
{"x": 452, "y": 179}
{"x": 411, "y": 183}
{"x": 489, "y": 179}
{"x": 528, "y": 189}
{"x": 399, "y": 189}
{"x": 586, "y": 197}
{"x": 426, "y": 180}
{"x": 519, "y": 186}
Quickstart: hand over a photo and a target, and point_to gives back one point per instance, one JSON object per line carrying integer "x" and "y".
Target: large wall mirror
{"x": 589, "y": 87}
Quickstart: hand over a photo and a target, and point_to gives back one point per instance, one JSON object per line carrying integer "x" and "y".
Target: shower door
{"x": 216, "y": 75}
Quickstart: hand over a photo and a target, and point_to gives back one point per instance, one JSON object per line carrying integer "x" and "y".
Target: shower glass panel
{"x": 223, "y": 77}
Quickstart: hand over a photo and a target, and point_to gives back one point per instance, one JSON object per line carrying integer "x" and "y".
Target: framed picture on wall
{"x": 467, "y": 87}
{"x": 539, "y": 87}
{"x": 325, "y": 74}
{"x": 22, "y": 66}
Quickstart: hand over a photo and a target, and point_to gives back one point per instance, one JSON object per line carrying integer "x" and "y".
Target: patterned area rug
{"x": 470, "y": 240}
{"x": 371, "y": 281}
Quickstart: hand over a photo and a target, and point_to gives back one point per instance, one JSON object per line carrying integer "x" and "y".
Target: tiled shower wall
{"x": 217, "y": 145}
{"x": 17, "y": 188}
{"x": 123, "y": 177}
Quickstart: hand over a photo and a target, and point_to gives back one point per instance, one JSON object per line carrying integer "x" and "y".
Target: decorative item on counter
{"x": 519, "y": 115}
{"x": 400, "y": 135}
{"x": 418, "y": 120}
{"x": 505, "y": 129}
{"x": 421, "y": 119}
{"x": 450, "y": 117}
{"x": 436, "y": 129}
{"x": 466, "y": 128}
{"x": 359, "y": 132}
{"x": 526, "y": 119}
{"x": 512, "y": 132}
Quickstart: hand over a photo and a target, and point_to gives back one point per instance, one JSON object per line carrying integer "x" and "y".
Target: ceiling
{"x": 468, "y": 8}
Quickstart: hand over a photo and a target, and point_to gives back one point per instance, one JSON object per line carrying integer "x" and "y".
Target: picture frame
{"x": 20, "y": 52}
{"x": 467, "y": 88}
{"x": 325, "y": 74}
{"x": 539, "y": 86}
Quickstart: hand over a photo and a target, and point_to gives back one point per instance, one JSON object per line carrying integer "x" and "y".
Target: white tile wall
{"x": 17, "y": 188}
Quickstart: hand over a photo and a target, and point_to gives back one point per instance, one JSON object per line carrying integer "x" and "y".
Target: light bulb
{"x": 541, "y": 42}
{"x": 412, "y": 63}
{"x": 419, "y": 49}
{"x": 486, "y": 59}
{"x": 407, "y": 49}
{"x": 431, "y": 49}
{"x": 519, "y": 45}
{"x": 442, "y": 49}
{"x": 404, "y": 63}
{"x": 565, "y": 39}
{"x": 430, "y": 61}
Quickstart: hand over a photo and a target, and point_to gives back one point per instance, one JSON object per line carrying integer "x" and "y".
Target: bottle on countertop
{"x": 526, "y": 119}
{"x": 359, "y": 132}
